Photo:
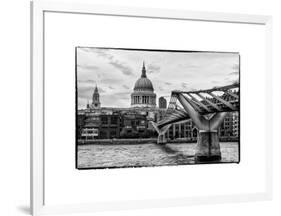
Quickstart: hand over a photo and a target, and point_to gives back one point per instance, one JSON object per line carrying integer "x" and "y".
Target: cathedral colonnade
{"x": 143, "y": 99}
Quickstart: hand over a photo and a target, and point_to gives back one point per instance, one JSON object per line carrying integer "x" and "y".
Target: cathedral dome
{"x": 143, "y": 95}
{"x": 143, "y": 83}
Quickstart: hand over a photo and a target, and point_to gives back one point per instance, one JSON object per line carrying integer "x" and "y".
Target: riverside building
{"x": 97, "y": 122}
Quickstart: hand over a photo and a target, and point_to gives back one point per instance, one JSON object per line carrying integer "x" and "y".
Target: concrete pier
{"x": 208, "y": 147}
{"x": 161, "y": 139}
{"x": 161, "y": 133}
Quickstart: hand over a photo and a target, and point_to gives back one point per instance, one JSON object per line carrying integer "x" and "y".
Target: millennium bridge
{"x": 207, "y": 109}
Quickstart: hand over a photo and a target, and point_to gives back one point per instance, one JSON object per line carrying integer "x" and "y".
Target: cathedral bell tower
{"x": 95, "y": 99}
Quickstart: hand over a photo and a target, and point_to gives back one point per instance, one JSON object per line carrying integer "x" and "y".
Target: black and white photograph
{"x": 147, "y": 108}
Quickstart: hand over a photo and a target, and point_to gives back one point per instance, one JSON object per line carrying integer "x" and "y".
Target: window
{"x": 112, "y": 134}
{"x": 114, "y": 120}
{"x": 104, "y": 120}
{"x": 103, "y": 135}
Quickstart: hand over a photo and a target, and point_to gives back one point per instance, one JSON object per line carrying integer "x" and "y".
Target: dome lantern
{"x": 143, "y": 74}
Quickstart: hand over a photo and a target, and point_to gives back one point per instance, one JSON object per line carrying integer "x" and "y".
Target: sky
{"x": 115, "y": 72}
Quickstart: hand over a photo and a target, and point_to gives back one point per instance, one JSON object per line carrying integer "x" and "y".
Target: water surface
{"x": 106, "y": 156}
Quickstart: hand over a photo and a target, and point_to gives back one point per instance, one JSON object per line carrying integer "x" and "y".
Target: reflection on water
{"x": 105, "y": 156}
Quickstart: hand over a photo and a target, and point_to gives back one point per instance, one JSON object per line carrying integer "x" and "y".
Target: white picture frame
{"x": 38, "y": 8}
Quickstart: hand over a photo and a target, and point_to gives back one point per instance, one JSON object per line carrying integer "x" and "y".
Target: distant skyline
{"x": 115, "y": 72}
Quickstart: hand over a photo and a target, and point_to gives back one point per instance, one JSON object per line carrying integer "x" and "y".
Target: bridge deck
{"x": 218, "y": 99}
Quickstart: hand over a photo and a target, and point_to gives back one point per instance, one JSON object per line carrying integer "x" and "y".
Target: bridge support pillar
{"x": 161, "y": 139}
{"x": 208, "y": 147}
{"x": 161, "y": 133}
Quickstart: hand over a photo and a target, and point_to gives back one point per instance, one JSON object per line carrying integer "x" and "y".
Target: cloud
{"x": 151, "y": 68}
{"x": 125, "y": 86}
{"x": 188, "y": 66}
{"x": 122, "y": 95}
{"x": 85, "y": 49}
{"x": 110, "y": 80}
{"x": 89, "y": 81}
{"x": 184, "y": 85}
{"x": 122, "y": 67}
{"x": 236, "y": 67}
{"x": 85, "y": 92}
{"x": 101, "y": 52}
{"x": 234, "y": 73}
{"x": 88, "y": 67}
{"x": 215, "y": 82}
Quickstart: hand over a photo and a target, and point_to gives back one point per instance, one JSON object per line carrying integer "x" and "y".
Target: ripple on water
{"x": 103, "y": 156}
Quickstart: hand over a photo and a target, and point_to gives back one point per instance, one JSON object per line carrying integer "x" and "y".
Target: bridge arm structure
{"x": 207, "y": 110}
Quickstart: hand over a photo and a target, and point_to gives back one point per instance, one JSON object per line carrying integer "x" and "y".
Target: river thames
{"x": 145, "y": 155}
